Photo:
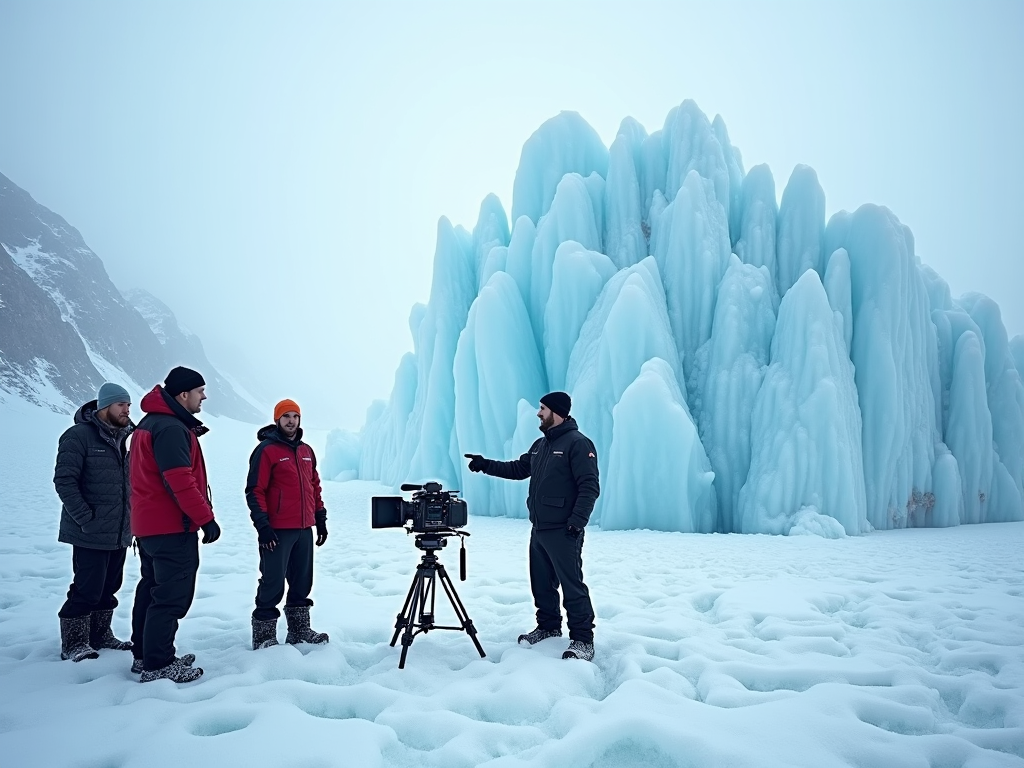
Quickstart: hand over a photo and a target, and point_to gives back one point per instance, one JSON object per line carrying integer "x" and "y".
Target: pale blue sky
{"x": 275, "y": 172}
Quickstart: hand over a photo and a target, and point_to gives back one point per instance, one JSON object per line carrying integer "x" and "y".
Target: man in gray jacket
{"x": 91, "y": 478}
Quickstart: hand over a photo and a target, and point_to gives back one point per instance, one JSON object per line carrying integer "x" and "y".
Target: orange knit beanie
{"x": 285, "y": 406}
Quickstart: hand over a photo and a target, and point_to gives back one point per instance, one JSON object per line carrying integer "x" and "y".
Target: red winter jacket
{"x": 283, "y": 488}
{"x": 168, "y": 474}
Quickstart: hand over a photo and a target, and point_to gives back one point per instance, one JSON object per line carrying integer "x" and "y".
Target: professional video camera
{"x": 435, "y": 514}
{"x": 431, "y": 509}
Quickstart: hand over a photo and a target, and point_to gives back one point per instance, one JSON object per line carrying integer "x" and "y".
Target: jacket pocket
{"x": 551, "y": 509}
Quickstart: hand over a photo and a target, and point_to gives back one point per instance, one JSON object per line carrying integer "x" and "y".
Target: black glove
{"x": 572, "y": 531}
{"x": 477, "y": 463}
{"x": 211, "y": 532}
{"x": 321, "y": 532}
{"x": 268, "y": 539}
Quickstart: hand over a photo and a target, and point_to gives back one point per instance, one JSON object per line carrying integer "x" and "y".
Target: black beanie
{"x": 558, "y": 402}
{"x": 182, "y": 379}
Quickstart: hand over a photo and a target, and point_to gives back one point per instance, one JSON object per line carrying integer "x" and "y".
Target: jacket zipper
{"x": 124, "y": 496}
{"x": 302, "y": 495}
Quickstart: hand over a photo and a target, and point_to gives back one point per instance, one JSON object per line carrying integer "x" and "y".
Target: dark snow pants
{"x": 556, "y": 559}
{"x": 98, "y": 576}
{"x": 170, "y": 562}
{"x": 291, "y": 559}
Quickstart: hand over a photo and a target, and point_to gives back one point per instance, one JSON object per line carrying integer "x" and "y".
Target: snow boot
{"x": 264, "y": 633}
{"x": 188, "y": 660}
{"x": 101, "y": 635}
{"x": 74, "y": 639}
{"x": 579, "y": 650}
{"x": 177, "y": 671}
{"x": 298, "y": 627}
{"x": 534, "y": 637}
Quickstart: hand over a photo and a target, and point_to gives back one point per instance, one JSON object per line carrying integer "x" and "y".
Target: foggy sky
{"x": 275, "y": 172}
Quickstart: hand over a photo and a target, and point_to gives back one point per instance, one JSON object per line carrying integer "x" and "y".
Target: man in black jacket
{"x": 91, "y": 478}
{"x": 562, "y": 467}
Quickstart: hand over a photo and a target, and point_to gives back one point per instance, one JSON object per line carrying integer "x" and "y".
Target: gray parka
{"x": 91, "y": 478}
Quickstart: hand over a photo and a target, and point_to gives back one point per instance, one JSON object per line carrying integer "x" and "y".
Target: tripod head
{"x": 435, "y": 540}
{"x": 430, "y": 542}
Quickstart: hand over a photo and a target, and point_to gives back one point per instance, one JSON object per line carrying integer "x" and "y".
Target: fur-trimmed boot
{"x": 579, "y": 650}
{"x": 74, "y": 639}
{"x": 298, "y": 627}
{"x": 264, "y": 633}
{"x": 177, "y": 671}
{"x": 102, "y": 636}
{"x": 188, "y": 660}
{"x": 535, "y": 636}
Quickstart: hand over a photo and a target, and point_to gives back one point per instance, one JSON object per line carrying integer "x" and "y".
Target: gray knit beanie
{"x": 111, "y": 393}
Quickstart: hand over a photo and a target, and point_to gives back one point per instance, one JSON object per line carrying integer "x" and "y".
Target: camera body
{"x": 431, "y": 509}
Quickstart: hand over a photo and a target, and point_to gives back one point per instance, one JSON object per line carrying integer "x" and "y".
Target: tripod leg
{"x": 422, "y": 591}
{"x": 460, "y": 609}
{"x": 405, "y": 615}
{"x": 416, "y": 596}
{"x": 425, "y": 617}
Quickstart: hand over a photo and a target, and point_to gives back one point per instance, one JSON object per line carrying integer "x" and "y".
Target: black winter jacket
{"x": 91, "y": 478}
{"x": 562, "y": 467}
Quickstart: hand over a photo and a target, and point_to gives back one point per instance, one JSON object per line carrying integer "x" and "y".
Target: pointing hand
{"x": 477, "y": 463}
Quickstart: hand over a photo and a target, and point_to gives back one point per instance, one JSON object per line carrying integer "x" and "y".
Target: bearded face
{"x": 547, "y": 418}
{"x": 289, "y": 425}
{"x": 116, "y": 415}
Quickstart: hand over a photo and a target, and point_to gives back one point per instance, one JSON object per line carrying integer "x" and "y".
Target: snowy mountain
{"x": 741, "y": 365}
{"x": 64, "y": 326}
{"x": 42, "y": 357}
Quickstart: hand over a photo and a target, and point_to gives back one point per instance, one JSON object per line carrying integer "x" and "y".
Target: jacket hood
{"x": 272, "y": 432}
{"x": 158, "y": 401}
{"x": 87, "y": 414}
{"x": 84, "y": 414}
{"x": 569, "y": 425}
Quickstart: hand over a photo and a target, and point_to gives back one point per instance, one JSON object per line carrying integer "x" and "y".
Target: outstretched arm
{"x": 517, "y": 469}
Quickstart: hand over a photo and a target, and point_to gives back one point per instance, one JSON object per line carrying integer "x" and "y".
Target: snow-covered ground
{"x": 901, "y": 648}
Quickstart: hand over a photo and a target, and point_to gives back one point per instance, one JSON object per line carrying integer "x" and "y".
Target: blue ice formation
{"x": 805, "y": 428}
{"x": 741, "y": 365}
{"x": 738, "y": 358}
{"x": 341, "y": 459}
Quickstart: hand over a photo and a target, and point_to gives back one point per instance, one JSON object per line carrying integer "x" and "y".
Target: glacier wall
{"x": 741, "y": 364}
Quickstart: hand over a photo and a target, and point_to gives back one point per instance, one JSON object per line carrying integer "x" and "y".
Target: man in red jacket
{"x": 170, "y": 503}
{"x": 283, "y": 494}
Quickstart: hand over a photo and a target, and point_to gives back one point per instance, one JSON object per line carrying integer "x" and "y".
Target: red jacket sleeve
{"x": 320, "y": 511}
{"x": 182, "y": 485}
{"x": 256, "y": 485}
{"x": 172, "y": 450}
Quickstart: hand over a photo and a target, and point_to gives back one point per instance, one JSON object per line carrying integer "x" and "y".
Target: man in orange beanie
{"x": 283, "y": 494}
{"x": 286, "y": 406}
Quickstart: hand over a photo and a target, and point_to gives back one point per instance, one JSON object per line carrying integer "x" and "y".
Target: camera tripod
{"x": 417, "y": 614}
